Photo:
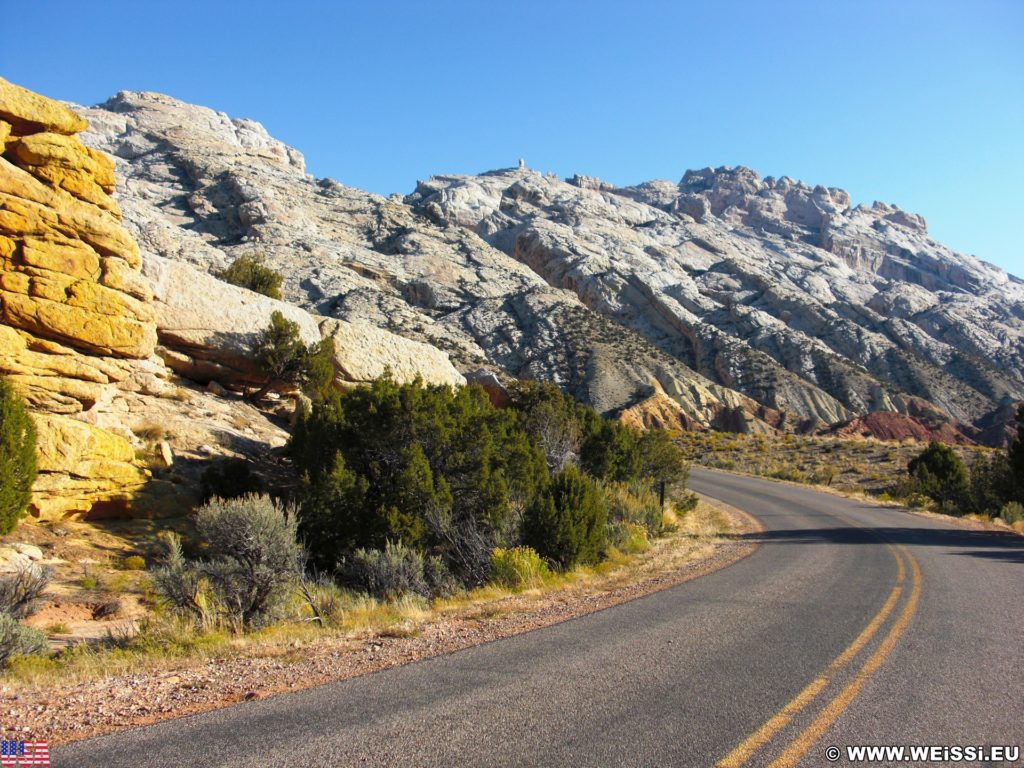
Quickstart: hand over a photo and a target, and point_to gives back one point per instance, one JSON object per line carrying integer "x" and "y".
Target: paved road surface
{"x": 849, "y": 625}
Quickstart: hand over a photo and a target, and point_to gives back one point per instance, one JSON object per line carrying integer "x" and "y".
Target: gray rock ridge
{"x": 732, "y": 293}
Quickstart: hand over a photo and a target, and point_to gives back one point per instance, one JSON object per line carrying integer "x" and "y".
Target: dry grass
{"x": 166, "y": 642}
{"x": 863, "y": 466}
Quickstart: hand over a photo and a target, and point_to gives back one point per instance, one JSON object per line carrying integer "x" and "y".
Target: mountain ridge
{"x": 728, "y": 292}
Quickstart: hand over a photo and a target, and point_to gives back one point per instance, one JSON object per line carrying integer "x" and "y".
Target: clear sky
{"x": 920, "y": 104}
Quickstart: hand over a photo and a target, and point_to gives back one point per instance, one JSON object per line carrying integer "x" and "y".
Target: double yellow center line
{"x": 831, "y": 711}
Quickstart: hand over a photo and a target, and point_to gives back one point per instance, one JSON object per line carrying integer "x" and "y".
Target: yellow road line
{"x": 802, "y": 743}
{"x": 743, "y": 752}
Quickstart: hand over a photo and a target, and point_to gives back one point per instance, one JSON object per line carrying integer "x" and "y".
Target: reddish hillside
{"x": 886, "y": 425}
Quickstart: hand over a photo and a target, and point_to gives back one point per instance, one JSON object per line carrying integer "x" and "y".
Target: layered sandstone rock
{"x": 76, "y": 326}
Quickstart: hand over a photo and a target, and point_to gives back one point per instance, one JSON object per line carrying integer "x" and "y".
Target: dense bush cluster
{"x": 17, "y": 457}
{"x": 406, "y": 487}
{"x": 414, "y": 490}
{"x": 993, "y": 486}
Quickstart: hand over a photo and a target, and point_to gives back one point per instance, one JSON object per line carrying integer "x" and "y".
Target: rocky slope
{"x": 746, "y": 303}
{"x": 108, "y": 343}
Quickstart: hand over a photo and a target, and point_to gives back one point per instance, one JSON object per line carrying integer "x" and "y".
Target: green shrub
{"x": 229, "y": 479}
{"x": 661, "y": 460}
{"x": 388, "y": 573}
{"x": 554, "y": 420}
{"x": 255, "y": 555}
{"x": 566, "y": 524}
{"x": 1012, "y": 512}
{"x": 991, "y": 484}
{"x": 133, "y": 563}
{"x": 250, "y": 271}
{"x": 284, "y": 358}
{"x": 438, "y": 469}
{"x": 518, "y": 568}
{"x": 940, "y": 474}
{"x": 17, "y": 457}
{"x": 18, "y": 640}
{"x": 612, "y": 452}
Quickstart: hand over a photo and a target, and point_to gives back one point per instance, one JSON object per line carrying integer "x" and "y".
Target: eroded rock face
{"x": 752, "y": 303}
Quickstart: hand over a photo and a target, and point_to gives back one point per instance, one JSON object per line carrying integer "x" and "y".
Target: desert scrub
{"x": 388, "y": 573}
{"x": 628, "y": 538}
{"x": 518, "y": 568}
{"x": 633, "y": 503}
{"x": 20, "y": 591}
{"x": 133, "y": 563}
{"x": 16, "y": 639}
{"x": 249, "y": 577}
{"x": 1012, "y": 512}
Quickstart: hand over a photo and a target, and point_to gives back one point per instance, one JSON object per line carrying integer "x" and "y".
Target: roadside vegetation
{"x": 411, "y": 503}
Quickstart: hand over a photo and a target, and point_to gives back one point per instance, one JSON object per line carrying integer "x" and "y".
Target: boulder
{"x": 28, "y": 112}
{"x": 81, "y": 466}
{"x": 363, "y": 352}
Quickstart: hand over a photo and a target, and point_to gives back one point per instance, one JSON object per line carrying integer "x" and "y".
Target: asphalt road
{"x": 848, "y": 625}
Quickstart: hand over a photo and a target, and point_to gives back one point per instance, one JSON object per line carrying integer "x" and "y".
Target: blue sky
{"x": 920, "y": 104}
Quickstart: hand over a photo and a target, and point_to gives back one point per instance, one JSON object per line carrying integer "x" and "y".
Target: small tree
{"x": 661, "y": 460}
{"x": 250, "y": 271}
{"x": 285, "y": 359}
{"x": 567, "y": 522}
{"x": 256, "y": 554}
{"x": 17, "y": 457}
{"x": 941, "y": 474}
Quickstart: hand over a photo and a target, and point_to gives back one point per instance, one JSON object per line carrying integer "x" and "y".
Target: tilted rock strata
{"x": 752, "y": 303}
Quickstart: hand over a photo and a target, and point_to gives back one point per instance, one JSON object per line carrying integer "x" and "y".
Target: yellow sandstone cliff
{"x": 75, "y": 317}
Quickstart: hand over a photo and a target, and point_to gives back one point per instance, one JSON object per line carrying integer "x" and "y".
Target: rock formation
{"x": 76, "y": 323}
{"x": 93, "y": 330}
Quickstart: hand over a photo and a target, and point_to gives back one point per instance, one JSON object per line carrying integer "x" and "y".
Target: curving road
{"x": 849, "y": 625}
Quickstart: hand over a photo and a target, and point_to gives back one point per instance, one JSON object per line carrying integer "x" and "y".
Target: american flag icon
{"x": 24, "y": 753}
